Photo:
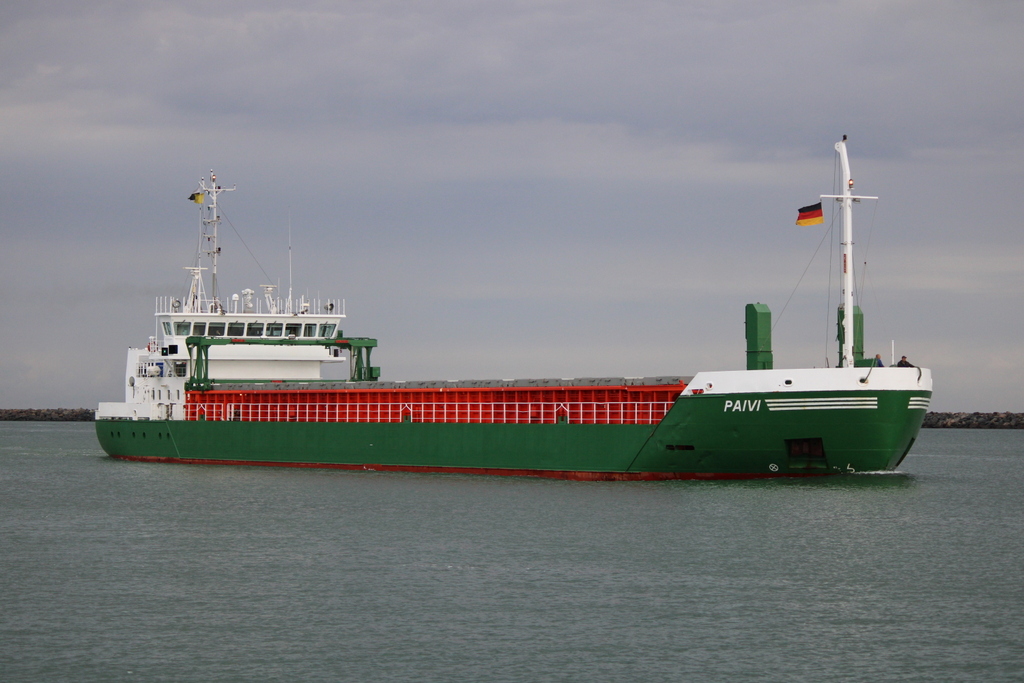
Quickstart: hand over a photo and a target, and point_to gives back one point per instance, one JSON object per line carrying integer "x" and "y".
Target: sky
{"x": 515, "y": 189}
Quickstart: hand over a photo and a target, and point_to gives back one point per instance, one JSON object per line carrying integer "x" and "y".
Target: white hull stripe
{"x": 919, "y": 403}
{"x": 829, "y": 403}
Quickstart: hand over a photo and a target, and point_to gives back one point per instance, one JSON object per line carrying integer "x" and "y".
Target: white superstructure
{"x": 155, "y": 374}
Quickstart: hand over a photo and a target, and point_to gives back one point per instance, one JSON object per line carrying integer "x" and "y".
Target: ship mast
{"x": 847, "y": 198}
{"x": 210, "y": 225}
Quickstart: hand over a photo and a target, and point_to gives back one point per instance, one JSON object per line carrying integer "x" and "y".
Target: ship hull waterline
{"x": 697, "y": 439}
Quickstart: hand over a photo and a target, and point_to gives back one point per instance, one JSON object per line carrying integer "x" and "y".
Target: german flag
{"x": 197, "y": 197}
{"x": 810, "y": 215}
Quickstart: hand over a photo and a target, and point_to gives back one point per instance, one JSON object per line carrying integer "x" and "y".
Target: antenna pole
{"x": 288, "y": 305}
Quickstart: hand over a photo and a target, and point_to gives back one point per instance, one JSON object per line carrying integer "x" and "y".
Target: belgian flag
{"x": 810, "y": 215}
{"x": 198, "y": 197}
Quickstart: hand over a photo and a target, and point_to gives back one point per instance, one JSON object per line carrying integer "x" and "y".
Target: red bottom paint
{"x": 495, "y": 471}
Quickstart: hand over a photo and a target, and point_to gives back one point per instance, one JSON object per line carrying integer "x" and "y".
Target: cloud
{"x": 564, "y": 171}
{"x": 723, "y": 73}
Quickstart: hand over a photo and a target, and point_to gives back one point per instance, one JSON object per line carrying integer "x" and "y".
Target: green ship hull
{"x": 703, "y": 436}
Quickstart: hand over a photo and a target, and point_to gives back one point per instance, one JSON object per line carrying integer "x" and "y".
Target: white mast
{"x": 210, "y": 225}
{"x": 847, "y": 198}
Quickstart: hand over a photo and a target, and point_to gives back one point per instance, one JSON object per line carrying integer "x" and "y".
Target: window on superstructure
{"x": 275, "y": 329}
{"x": 236, "y": 329}
{"x": 254, "y": 330}
{"x": 327, "y": 330}
{"x": 215, "y": 329}
{"x": 167, "y": 328}
{"x": 309, "y": 330}
{"x": 199, "y": 329}
{"x": 181, "y": 328}
{"x": 292, "y": 329}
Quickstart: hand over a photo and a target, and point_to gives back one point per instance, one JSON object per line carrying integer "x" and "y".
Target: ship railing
{"x": 206, "y": 411}
{"x": 143, "y": 369}
{"x": 169, "y": 305}
{"x": 628, "y": 412}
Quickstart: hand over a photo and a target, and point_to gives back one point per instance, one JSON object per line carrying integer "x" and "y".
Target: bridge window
{"x": 293, "y": 329}
{"x": 275, "y": 329}
{"x": 181, "y": 328}
{"x": 236, "y": 329}
{"x": 167, "y": 328}
{"x": 327, "y": 330}
{"x": 215, "y": 330}
{"x": 309, "y": 330}
{"x": 199, "y": 329}
{"x": 254, "y": 330}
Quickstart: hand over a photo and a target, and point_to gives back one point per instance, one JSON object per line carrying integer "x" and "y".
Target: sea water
{"x": 123, "y": 571}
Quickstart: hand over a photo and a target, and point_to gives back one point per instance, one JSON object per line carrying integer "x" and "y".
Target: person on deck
{"x": 878, "y": 361}
{"x": 904, "y": 363}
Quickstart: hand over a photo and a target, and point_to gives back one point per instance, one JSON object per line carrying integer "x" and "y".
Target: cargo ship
{"x": 240, "y": 380}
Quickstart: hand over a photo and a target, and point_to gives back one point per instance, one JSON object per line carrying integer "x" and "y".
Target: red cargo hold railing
{"x": 574, "y": 405}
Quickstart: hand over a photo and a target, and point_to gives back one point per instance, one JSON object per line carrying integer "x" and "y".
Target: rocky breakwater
{"x": 974, "y": 421}
{"x": 48, "y": 415}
